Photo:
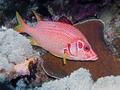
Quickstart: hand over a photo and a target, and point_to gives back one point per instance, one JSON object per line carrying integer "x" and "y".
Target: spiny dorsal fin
{"x": 37, "y": 16}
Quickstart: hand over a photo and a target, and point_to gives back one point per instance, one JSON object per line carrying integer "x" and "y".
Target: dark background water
{"x": 74, "y": 10}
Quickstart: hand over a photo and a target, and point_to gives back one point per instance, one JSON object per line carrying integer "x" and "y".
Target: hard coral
{"x": 78, "y": 80}
{"x": 14, "y": 49}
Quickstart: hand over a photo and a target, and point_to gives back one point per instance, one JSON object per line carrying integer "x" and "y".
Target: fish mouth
{"x": 93, "y": 58}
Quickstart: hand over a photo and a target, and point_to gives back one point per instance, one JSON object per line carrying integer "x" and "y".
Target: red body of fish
{"x": 60, "y": 39}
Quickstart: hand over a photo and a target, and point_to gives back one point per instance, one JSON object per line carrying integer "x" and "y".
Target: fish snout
{"x": 92, "y": 56}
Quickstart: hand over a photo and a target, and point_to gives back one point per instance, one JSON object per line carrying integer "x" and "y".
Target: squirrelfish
{"x": 60, "y": 39}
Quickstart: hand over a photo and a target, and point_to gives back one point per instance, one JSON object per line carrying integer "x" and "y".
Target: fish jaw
{"x": 77, "y": 58}
{"x": 94, "y": 58}
{"x": 91, "y": 55}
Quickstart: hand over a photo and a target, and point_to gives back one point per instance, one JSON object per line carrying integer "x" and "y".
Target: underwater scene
{"x": 59, "y": 44}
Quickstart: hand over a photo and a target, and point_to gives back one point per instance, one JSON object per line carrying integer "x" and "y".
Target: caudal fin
{"x": 18, "y": 28}
{"x": 21, "y": 27}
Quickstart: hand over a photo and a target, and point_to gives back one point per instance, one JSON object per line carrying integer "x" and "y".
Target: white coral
{"x": 14, "y": 48}
{"x": 81, "y": 80}
{"x": 78, "y": 80}
{"x": 107, "y": 83}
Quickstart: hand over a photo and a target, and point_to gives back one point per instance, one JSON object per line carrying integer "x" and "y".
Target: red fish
{"x": 60, "y": 39}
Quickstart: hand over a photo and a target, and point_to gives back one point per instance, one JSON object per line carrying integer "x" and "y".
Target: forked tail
{"x": 22, "y": 26}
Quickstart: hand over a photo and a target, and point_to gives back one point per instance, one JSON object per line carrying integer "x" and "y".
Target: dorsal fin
{"x": 64, "y": 20}
{"x": 37, "y": 16}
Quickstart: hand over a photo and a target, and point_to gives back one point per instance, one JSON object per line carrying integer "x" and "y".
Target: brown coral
{"x": 107, "y": 64}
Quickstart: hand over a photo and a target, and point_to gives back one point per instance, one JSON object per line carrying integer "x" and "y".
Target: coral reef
{"x": 81, "y": 80}
{"x": 14, "y": 48}
{"x": 78, "y": 80}
{"x": 19, "y": 63}
{"x": 107, "y": 83}
{"x": 35, "y": 78}
{"x": 16, "y": 52}
{"x": 111, "y": 18}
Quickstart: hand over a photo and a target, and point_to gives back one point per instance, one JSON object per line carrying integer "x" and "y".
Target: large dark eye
{"x": 80, "y": 45}
{"x": 86, "y": 48}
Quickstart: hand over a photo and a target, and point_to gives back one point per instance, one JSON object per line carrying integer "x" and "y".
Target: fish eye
{"x": 86, "y": 48}
{"x": 80, "y": 44}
